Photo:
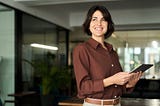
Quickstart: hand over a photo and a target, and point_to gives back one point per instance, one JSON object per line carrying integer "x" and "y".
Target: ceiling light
{"x": 114, "y": 36}
{"x": 44, "y": 46}
{"x": 155, "y": 44}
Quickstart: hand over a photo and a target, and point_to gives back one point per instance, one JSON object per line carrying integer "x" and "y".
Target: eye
{"x": 93, "y": 19}
{"x": 103, "y": 19}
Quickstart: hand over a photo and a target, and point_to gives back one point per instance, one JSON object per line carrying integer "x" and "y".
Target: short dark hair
{"x": 106, "y": 16}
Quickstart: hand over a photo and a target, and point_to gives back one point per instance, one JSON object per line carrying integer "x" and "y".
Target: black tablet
{"x": 142, "y": 67}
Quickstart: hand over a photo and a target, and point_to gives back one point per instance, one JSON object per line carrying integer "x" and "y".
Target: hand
{"x": 134, "y": 78}
{"x": 121, "y": 78}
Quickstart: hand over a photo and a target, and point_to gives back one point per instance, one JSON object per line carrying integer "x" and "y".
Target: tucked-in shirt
{"x": 92, "y": 63}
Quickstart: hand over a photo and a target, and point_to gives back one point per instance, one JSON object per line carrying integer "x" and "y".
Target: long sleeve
{"x": 86, "y": 85}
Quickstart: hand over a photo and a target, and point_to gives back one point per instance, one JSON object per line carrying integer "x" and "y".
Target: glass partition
{"x": 44, "y": 56}
{"x": 138, "y": 47}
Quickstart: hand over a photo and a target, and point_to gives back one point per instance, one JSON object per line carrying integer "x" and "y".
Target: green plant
{"x": 56, "y": 79}
{"x": 53, "y": 77}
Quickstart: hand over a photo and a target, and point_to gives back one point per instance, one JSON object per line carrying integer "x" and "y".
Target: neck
{"x": 99, "y": 39}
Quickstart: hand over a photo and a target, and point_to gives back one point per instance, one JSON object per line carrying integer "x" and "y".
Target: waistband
{"x": 103, "y": 101}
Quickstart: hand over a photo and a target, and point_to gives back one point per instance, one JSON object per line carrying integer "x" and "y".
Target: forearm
{"x": 120, "y": 78}
{"x": 108, "y": 81}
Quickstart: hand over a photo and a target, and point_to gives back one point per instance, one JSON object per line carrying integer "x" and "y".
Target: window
{"x": 39, "y": 61}
{"x": 137, "y": 47}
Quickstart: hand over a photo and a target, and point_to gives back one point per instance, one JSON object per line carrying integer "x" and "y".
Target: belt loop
{"x": 113, "y": 101}
{"x": 102, "y": 102}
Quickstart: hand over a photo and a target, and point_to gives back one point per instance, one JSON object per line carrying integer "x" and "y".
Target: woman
{"x": 99, "y": 76}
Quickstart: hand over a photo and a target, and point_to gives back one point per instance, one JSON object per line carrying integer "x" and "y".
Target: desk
{"x": 20, "y": 96}
{"x": 71, "y": 102}
{"x": 124, "y": 102}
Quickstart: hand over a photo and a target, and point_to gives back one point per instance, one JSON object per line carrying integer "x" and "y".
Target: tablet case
{"x": 142, "y": 67}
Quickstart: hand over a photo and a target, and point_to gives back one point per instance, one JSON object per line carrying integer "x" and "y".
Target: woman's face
{"x": 98, "y": 25}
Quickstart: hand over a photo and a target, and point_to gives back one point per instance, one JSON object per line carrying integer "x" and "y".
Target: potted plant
{"x": 53, "y": 77}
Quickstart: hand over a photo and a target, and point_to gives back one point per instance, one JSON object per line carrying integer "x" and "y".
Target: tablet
{"x": 142, "y": 67}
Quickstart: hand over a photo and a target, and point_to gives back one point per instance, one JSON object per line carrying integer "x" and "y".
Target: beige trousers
{"x": 89, "y": 104}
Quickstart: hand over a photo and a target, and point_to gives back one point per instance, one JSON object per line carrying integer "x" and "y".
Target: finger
{"x": 140, "y": 74}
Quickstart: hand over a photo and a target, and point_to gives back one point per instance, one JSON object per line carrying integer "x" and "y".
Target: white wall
{"x": 7, "y": 52}
{"x": 136, "y": 16}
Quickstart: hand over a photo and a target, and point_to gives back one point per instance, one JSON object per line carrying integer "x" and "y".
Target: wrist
{"x": 129, "y": 86}
{"x": 108, "y": 81}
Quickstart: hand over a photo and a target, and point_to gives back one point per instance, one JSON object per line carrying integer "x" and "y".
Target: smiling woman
{"x": 100, "y": 78}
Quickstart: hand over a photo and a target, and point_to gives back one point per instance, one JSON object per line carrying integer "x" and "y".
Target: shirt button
{"x": 112, "y": 65}
{"x": 115, "y": 86}
{"x": 115, "y": 96}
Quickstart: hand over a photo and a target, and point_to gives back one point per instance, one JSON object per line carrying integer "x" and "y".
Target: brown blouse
{"x": 92, "y": 63}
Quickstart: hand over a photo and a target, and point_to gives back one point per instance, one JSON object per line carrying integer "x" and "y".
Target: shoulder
{"x": 80, "y": 47}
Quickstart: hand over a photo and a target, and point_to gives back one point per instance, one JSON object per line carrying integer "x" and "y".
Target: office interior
{"x": 27, "y": 67}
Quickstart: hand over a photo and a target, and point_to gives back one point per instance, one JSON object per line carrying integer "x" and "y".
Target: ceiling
{"x": 151, "y": 16}
{"x": 68, "y": 7}
{"x": 81, "y": 5}
{"x": 126, "y": 14}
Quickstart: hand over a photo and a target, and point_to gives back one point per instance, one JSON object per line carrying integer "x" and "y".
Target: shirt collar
{"x": 96, "y": 44}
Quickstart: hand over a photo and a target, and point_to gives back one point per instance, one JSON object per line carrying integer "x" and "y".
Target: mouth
{"x": 98, "y": 28}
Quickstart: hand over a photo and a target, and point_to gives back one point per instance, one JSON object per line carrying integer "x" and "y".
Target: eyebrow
{"x": 97, "y": 17}
{"x": 94, "y": 17}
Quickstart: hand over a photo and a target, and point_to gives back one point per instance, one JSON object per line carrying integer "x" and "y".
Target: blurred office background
{"x": 26, "y": 24}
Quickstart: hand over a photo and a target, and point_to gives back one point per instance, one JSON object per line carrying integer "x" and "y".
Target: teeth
{"x": 98, "y": 28}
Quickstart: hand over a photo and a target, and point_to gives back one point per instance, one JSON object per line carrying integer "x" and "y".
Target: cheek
{"x": 90, "y": 27}
{"x": 106, "y": 27}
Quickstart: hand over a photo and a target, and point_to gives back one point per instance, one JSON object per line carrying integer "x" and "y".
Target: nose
{"x": 99, "y": 22}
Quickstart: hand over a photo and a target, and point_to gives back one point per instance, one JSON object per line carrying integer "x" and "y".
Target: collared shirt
{"x": 92, "y": 63}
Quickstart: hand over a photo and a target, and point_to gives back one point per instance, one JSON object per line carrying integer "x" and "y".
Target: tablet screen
{"x": 142, "y": 67}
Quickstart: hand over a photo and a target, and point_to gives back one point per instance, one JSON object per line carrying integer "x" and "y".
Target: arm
{"x": 85, "y": 84}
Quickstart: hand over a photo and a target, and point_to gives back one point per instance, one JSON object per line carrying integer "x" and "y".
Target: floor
{"x": 124, "y": 102}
